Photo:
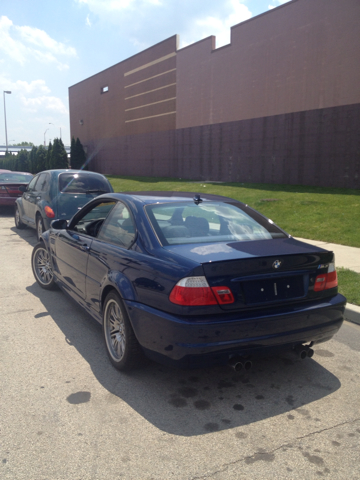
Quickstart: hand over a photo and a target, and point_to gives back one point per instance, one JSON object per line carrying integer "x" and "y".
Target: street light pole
{"x": 8, "y": 92}
{"x": 54, "y": 126}
{"x": 44, "y": 137}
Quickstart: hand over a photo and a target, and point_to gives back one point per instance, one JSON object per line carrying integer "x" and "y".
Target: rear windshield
{"x": 209, "y": 222}
{"x": 82, "y": 183}
{"x": 15, "y": 177}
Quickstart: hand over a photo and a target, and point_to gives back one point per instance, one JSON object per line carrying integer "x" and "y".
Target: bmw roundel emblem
{"x": 277, "y": 264}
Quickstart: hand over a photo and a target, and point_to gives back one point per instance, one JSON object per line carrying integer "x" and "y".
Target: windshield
{"x": 181, "y": 223}
{"x": 15, "y": 177}
{"x": 82, "y": 183}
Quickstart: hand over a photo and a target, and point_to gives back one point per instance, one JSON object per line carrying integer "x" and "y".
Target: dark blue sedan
{"x": 190, "y": 280}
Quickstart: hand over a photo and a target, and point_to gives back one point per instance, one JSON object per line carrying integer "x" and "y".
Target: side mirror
{"x": 60, "y": 224}
{"x": 23, "y": 188}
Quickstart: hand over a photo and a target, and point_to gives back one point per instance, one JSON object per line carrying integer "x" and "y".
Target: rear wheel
{"x": 39, "y": 227}
{"x": 18, "y": 222}
{"x": 41, "y": 267}
{"x": 122, "y": 346}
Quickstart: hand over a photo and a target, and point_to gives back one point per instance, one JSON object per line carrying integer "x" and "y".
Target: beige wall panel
{"x": 151, "y": 84}
{"x": 151, "y": 71}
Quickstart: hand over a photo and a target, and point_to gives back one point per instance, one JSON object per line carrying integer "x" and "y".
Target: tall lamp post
{"x": 8, "y": 92}
{"x": 54, "y": 126}
{"x": 44, "y": 137}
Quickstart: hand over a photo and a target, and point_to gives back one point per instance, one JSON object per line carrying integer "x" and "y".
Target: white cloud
{"x": 103, "y": 7}
{"x": 25, "y": 43}
{"x": 44, "y": 102}
{"x": 277, "y": 3}
{"x": 218, "y": 26}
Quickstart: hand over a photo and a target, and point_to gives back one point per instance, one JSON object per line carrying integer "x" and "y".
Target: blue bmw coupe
{"x": 190, "y": 280}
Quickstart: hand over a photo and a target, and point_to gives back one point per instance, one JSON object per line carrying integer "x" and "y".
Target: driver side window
{"x": 119, "y": 227}
{"x": 32, "y": 183}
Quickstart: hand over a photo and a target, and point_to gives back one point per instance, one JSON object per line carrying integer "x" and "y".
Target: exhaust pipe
{"x": 239, "y": 363}
{"x": 303, "y": 351}
{"x": 236, "y": 364}
{"x": 247, "y": 365}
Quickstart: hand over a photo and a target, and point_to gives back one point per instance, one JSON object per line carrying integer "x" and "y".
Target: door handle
{"x": 84, "y": 248}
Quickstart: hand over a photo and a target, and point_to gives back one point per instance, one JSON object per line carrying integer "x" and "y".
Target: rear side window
{"x": 82, "y": 183}
{"x": 208, "y": 222}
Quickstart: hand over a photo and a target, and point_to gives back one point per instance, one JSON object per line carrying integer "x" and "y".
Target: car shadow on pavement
{"x": 194, "y": 402}
{"x": 28, "y": 234}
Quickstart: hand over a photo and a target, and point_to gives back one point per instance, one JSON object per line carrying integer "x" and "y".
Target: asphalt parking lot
{"x": 66, "y": 413}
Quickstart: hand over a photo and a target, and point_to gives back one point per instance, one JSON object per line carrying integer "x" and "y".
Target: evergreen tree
{"x": 58, "y": 158}
{"x": 48, "y": 156}
{"x": 78, "y": 156}
{"x": 73, "y": 153}
{"x": 22, "y": 161}
{"x": 41, "y": 155}
{"x": 32, "y": 160}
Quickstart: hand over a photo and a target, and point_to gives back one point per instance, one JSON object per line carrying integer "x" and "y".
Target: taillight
{"x": 49, "y": 212}
{"x": 223, "y": 295}
{"x": 192, "y": 291}
{"x": 326, "y": 280}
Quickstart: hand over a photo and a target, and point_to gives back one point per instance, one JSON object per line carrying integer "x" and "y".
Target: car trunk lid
{"x": 262, "y": 272}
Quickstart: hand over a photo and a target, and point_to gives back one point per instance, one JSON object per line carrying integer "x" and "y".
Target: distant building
{"x": 279, "y": 104}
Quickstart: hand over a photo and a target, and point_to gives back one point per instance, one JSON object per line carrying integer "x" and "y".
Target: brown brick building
{"x": 279, "y": 104}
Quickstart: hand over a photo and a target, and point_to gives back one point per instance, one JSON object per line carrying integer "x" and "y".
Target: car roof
{"x": 70, "y": 170}
{"x": 150, "y": 197}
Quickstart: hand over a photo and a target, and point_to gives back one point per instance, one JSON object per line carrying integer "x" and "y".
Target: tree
{"x": 58, "y": 157}
{"x": 32, "y": 160}
{"x": 40, "y": 161}
{"x": 78, "y": 156}
{"x": 22, "y": 161}
{"x": 48, "y": 156}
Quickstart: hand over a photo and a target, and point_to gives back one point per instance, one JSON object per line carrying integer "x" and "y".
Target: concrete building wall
{"x": 135, "y": 96}
{"x": 280, "y": 104}
{"x": 298, "y": 57}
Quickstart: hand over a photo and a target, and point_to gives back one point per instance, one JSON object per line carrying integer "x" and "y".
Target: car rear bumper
{"x": 197, "y": 341}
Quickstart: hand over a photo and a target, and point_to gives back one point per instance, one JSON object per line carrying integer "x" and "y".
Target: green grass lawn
{"x": 349, "y": 285}
{"x": 315, "y": 213}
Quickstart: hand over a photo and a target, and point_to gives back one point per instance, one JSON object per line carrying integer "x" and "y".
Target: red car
{"x": 9, "y": 186}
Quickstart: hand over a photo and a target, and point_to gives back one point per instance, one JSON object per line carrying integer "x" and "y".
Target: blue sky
{"x": 47, "y": 46}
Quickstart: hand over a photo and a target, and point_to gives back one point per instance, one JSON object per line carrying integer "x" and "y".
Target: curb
{"x": 352, "y": 313}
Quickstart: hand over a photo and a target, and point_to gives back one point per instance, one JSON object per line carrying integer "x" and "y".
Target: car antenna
{"x": 197, "y": 199}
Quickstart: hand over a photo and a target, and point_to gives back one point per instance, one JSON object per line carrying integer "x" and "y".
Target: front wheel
{"x": 122, "y": 346}
{"x": 41, "y": 267}
{"x": 18, "y": 222}
{"x": 39, "y": 227}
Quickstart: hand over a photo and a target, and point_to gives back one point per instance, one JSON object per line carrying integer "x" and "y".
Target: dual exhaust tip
{"x": 303, "y": 351}
{"x": 239, "y": 363}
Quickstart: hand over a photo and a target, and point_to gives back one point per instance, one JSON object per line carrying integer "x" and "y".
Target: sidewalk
{"x": 346, "y": 257}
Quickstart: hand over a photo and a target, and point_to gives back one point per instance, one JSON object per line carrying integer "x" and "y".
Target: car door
{"x": 72, "y": 247}
{"x": 37, "y": 195}
{"x": 109, "y": 252}
{"x": 27, "y": 200}
{"x": 72, "y": 253}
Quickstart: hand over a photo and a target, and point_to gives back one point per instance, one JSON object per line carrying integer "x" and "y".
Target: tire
{"x": 124, "y": 350}
{"x": 18, "y": 222}
{"x": 39, "y": 227}
{"x": 41, "y": 267}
